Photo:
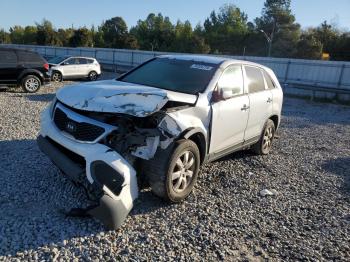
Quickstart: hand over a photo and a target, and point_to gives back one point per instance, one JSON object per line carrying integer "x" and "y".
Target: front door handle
{"x": 244, "y": 108}
{"x": 269, "y": 100}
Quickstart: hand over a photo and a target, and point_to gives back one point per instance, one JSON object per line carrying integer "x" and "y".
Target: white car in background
{"x": 74, "y": 67}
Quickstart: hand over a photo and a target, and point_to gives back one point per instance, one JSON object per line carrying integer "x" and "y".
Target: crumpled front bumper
{"x": 104, "y": 168}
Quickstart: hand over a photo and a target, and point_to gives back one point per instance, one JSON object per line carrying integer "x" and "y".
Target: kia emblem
{"x": 71, "y": 127}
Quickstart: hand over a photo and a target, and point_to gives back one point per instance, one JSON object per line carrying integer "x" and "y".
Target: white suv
{"x": 74, "y": 68}
{"x": 159, "y": 122}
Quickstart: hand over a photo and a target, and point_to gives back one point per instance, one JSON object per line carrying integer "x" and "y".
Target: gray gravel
{"x": 307, "y": 217}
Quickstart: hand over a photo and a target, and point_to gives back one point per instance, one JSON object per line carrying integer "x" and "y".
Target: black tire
{"x": 31, "y": 84}
{"x": 160, "y": 174}
{"x": 93, "y": 76}
{"x": 264, "y": 145}
{"x": 57, "y": 76}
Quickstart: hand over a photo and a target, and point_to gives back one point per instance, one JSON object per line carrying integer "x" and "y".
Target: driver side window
{"x": 70, "y": 61}
{"x": 231, "y": 81}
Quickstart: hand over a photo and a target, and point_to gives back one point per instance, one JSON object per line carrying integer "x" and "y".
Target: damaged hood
{"x": 113, "y": 96}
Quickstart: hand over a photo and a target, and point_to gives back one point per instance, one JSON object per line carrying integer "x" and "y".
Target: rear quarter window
{"x": 8, "y": 57}
{"x": 255, "y": 79}
{"x": 30, "y": 57}
{"x": 269, "y": 81}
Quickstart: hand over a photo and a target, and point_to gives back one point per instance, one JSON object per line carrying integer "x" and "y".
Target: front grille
{"x": 80, "y": 131}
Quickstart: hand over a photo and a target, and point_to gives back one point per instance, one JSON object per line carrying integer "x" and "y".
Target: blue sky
{"x": 64, "y": 13}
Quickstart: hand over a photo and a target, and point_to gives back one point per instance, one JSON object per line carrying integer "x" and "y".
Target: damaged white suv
{"x": 159, "y": 122}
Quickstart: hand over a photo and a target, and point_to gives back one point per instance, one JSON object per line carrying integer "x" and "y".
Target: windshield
{"x": 56, "y": 59}
{"x": 177, "y": 75}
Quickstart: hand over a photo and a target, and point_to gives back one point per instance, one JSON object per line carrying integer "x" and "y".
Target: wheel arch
{"x": 30, "y": 72}
{"x": 198, "y": 137}
{"x": 275, "y": 119}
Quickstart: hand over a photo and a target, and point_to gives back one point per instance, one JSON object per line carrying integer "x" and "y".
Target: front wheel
{"x": 31, "y": 84}
{"x": 264, "y": 145}
{"x": 173, "y": 175}
{"x": 57, "y": 77}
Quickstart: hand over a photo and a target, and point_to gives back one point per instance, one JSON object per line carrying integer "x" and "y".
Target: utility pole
{"x": 269, "y": 39}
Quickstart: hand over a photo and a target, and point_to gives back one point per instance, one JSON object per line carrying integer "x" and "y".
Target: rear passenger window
{"x": 29, "y": 57}
{"x": 255, "y": 79}
{"x": 90, "y": 61}
{"x": 8, "y": 57}
{"x": 232, "y": 79}
{"x": 82, "y": 61}
{"x": 270, "y": 83}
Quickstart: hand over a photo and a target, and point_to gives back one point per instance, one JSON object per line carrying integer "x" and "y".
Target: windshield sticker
{"x": 201, "y": 67}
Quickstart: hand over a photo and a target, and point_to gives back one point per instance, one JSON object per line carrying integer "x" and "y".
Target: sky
{"x": 65, "y": 13}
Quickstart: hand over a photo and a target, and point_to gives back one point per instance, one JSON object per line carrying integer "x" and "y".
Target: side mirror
{"x": 226, "y": 93}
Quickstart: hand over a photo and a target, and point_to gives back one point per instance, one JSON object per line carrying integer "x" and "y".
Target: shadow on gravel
{"x": 33, "y": 195}
{"x": 40, "y": 97}
{"x": 340, "y": 167}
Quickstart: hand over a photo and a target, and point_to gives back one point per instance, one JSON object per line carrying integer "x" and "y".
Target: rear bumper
{"x": 103, "y": 168}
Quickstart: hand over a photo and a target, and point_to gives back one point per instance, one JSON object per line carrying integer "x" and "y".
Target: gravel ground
{"x": 225, "y": 219}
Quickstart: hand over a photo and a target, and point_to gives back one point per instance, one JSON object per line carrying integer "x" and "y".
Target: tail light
{"x": 46, "y": 66}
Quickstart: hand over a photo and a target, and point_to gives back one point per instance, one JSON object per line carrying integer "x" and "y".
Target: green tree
{"x": 309, "y": 47}
{"x": 82, "y": 37}
{"x": 278, "y": 22}
{"x": 155, "y": 33}
{"x": 17, "y": 34}
{"x": 64, "y": 36}
{"x": 187, "y": 41}
{"x": 327, "y": 35}
{"x": 46, "y": 34}
{"x": 97, "y": 37}
{"x": 341, "y": 49}
{"x": 226, "y": 31}
{"x": 4, "y": 37}
{"x": 29, "y": 35}
{"x": 115, "y": 32}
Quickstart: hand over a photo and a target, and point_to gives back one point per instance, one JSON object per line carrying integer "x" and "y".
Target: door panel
{"x": 229, "y": 121}
{"x": 69, "y": 67}
{"x": 260, "y": 111}
{"x": 83, "y": 67}
{"x": 230, "y": 112}
{"x": 8, "y": 67}
{"x": 260, "y": 99}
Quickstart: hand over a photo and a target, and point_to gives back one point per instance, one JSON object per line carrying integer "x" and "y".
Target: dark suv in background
{"x": 25, "y": 68}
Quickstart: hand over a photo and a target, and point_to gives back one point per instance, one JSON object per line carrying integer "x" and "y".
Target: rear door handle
{"x": 244, "y": 108}
{"x": 269, "y": 100}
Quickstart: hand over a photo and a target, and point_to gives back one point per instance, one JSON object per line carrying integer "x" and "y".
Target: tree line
{"x": 226, "y": 32}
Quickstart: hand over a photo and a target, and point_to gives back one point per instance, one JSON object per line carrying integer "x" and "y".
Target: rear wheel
{"x": 172, "y": 173}
{"x": 92, "y": 76}
{"x": 264, "y": 145}
{"x": 31, "y": 84}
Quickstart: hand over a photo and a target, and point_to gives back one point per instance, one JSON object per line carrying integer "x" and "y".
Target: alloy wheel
{"x": 32, "y": 84}
{"x": 268, "y": 137}
{"x": 182, "y": 173}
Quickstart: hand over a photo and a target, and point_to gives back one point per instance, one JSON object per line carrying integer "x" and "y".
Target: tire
{"x": 31, "y": 84}
{"x": 264, "y": 145}
{"x": 57, "y": 76}
{"x": 165, "y": 176}
{"x": 93, "y": 76}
